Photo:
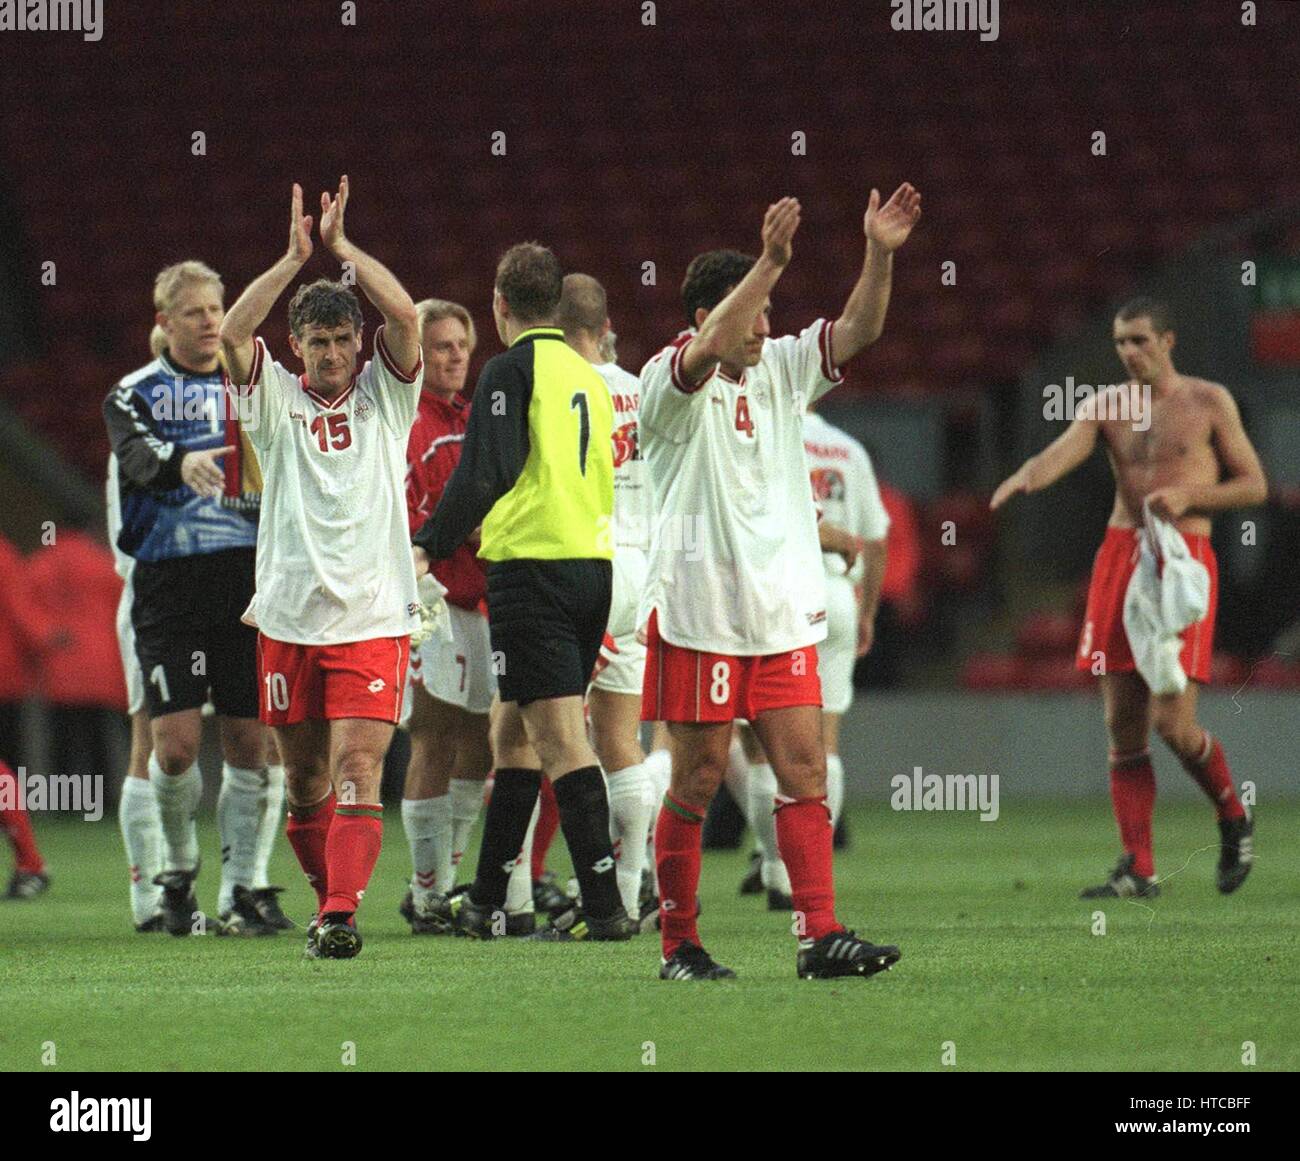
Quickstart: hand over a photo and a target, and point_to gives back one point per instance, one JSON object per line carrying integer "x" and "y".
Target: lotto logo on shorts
{"x": 376, "y": 686}
{"x": 600, "y": 866}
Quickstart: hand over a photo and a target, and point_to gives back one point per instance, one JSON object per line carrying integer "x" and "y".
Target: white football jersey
{"x": 735, "y": 567}
{"x": 633, "y": 497}
{"x": 844, "y": 488}
{"x": 333, "y": 549}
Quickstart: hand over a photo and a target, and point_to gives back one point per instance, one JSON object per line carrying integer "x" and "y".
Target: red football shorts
{"x": 1103, "y": 623}
{"x": 685, "y": 685}
{"x": 360, "y": 679}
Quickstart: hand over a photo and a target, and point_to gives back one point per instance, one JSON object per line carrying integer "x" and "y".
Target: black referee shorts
{"x": 547, "y": 619}
{"x": 188, "y": 635}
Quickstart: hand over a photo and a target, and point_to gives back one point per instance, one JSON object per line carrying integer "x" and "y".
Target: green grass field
{"x": 999, "y": 958}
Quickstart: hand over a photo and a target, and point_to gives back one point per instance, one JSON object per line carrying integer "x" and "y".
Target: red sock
{"x": 548, "y": 822}
{"x": 351, "y": 851}
{"x": 677, "y": 862}
{"x": 1133, "y": 795}
{"x": 803, "y": 836}
{"x": 1209, "y": 770}
{"x": 307, "y": 829}
{"x": 18, "y": 826}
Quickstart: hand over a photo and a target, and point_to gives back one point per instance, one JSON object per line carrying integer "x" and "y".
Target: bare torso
{"x": 1176, "y": 450}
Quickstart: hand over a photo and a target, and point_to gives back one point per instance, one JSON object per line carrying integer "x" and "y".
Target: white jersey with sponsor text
{"x": 844, "y": 488}
{"x": 633, "y": 497}
{"x": 333, "y": 550}
{"x": 735, "y": 567}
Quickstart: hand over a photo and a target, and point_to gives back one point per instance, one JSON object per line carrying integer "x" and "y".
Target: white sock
{"x": 427, "y": 822}
{"x": 137, "y": 815}
{"x": 466, "y": 801}
{"x": 834, "y": 787}
{"x": 762, "y": 817}
{"x": 658, "y": 766}
{"x": 269, "y": 826}
{"x": 737, "y": 777}
{"x": 631, "y": 801}
{"x": 519, "y": 890}
{"x": 239, "y": 814}
{"x": 178, "y": 802}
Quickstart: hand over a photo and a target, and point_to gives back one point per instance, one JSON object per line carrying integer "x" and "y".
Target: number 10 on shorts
{"x": 277, "y": 691}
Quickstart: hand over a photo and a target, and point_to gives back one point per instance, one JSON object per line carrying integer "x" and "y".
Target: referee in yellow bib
{"x": 537, "y": 472}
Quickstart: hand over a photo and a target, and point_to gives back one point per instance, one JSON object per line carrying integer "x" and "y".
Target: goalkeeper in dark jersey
{"x": 188, "y": 497}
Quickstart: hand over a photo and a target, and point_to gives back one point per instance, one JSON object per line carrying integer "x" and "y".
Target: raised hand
{"x": 889, "y": 225}
{"x": 299, "y": 229}
{"x": 331, "y": 217}
{"x": 779, "y": 224}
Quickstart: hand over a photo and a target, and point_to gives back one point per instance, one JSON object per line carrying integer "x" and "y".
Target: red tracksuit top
{"x": 432, "y": 454}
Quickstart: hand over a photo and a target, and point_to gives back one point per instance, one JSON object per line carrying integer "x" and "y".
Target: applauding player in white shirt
{"x": 735, "y": 603}
{"x": 336, "y": 595}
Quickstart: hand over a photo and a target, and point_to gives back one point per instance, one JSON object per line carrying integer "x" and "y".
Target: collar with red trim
{"x": 320, "y": 400}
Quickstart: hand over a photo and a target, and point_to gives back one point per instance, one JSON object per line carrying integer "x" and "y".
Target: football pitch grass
{"x": 1001, "y": 968}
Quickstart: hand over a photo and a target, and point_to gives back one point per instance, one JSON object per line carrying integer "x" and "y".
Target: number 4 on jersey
{"x": 743, "y": 422}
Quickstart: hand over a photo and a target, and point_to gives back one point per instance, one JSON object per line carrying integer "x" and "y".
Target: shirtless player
{"x": 1193, "y": 460}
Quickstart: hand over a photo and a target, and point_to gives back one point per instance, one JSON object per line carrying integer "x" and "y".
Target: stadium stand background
{"x": 620, "y": 150}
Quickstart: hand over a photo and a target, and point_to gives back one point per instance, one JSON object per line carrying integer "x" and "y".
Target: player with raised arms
{"x": 336, "y": 598}
{"x": 735, "y": 604}
{"x": 1187, "y": 459}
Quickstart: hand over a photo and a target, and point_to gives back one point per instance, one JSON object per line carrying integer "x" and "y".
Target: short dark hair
{"x": 529, "y": 278}
{"x": 324, "y": 304}
{"x": 710, "y": 276}
{"x": 1157, "y": 310}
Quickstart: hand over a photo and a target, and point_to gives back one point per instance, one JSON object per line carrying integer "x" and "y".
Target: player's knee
{"x": 305, "y": 784}
{"x": 697, "y": 782}
{"x": 616, "y": 753}
{"x": 246, "y": 753}
{"x": 1181, "y": 736}
{"x": 1126, "y": 730}
{"x": 803, "y": 778}
{"x": 176, "y": 754}
{"x": 359, "y": 769}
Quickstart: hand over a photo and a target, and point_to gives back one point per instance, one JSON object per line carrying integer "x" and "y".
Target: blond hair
{"x": 433, "y": 310}
{"x": 172, "y": 279}
{"x": 157, "y": 341}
